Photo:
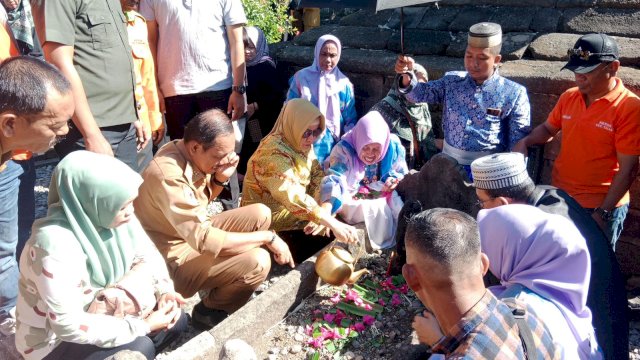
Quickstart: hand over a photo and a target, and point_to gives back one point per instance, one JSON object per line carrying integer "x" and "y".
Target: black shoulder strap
{"x": 526, "y": 337}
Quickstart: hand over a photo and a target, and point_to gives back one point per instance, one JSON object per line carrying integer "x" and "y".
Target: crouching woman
{"x": 91, "y": 281}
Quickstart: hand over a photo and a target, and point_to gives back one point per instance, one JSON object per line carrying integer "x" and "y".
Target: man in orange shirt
{"x": 146, "y": 92}
{"x": 600, "y": 119}
{"x": 7, "y": 45}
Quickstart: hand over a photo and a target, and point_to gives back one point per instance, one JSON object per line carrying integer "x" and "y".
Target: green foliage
{"x": 271, "y": 16}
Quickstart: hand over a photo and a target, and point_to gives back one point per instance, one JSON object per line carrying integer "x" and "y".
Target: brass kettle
{"x": 336, "y": 266}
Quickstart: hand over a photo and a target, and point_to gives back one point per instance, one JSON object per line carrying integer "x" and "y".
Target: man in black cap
{"x": 598, "y": 159}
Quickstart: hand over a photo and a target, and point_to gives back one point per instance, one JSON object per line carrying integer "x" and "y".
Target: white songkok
{"x": 499, "y": 171}
{"x": 485, "y": 35}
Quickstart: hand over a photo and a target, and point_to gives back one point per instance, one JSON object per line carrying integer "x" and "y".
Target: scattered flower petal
{"x": 368, "y": 320}
{"x": 335, "y": 298}
{"x": 329, "y": 317}
{"x": 395, "y": 300}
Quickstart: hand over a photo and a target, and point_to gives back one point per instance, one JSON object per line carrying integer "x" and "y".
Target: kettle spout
{"x": 356, "y": 276}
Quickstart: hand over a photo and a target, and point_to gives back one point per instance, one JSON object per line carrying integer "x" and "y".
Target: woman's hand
{"x": 175, "y": 301}
{"x": 315, "y": 229}
{"x": 281, "y": 252}
{"x": 390, "y": 184}
{"x": 163, "y": 318}
{"x": 343, "y": 232}
{"x": 427, "y": 328}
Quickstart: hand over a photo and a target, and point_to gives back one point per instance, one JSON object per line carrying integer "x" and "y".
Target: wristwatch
{"x": 239, "y": 88}
{"x": 606, "y": 215}
{"x": 223, "y": 184}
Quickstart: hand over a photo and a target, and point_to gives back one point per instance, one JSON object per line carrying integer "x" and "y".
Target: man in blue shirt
{"x": 483, "y": 113}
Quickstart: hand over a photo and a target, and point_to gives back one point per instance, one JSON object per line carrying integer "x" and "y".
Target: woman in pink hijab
{"x": 324, "y": 85}
{"x": 365, "y": 168}
{"x": 542, "y": 259}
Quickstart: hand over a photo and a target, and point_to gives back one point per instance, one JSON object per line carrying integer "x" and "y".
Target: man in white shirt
{"x": 199, "y": 54}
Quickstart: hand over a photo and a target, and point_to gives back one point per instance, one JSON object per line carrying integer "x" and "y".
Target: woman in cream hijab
{"x": 285, "y": 175}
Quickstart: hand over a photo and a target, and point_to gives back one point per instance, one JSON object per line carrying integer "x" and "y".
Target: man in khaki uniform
{"x": 220, "y": 253}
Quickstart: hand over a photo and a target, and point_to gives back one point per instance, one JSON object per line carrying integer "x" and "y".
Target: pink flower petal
{"x": 368, "y": 320}
{"x": 395, "y": 300}
{"x": 329, "y": 317}
{"x": 335, "y": 298}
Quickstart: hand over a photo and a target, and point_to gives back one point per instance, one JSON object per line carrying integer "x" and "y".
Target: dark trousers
{"x": 149, "y": 345}
{"x": 123, "y": 140}
{"x": 181, "y": 109}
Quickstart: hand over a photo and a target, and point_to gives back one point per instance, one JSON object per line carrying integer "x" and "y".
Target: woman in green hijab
{"x": 87, "y": 252}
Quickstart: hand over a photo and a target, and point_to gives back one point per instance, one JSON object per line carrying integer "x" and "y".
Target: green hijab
{"x": 86, "y": 193}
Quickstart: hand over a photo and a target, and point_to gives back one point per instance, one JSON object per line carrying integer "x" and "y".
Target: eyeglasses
{"x": 480, "y": 203}
{"x": 314, "y": 133}
{"x": 583, "y": 54}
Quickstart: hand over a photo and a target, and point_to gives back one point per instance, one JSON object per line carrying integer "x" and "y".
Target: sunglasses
{"x": 583, "y": 54}
{"x": 314, "y": 133}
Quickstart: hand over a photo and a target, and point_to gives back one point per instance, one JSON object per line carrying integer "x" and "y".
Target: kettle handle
{"x": 358, "y": 249}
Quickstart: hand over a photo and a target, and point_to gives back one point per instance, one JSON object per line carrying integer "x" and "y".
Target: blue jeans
{"x": 9, "y": 184}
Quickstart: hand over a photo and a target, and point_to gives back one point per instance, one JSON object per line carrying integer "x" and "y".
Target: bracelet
{"x": 273, "y": 237}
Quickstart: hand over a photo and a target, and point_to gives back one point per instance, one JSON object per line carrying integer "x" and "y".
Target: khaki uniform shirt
{"x": 102, "y": 56}
{"x": 172, "y": 206}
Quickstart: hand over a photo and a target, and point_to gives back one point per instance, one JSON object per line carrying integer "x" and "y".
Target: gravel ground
{"x": 389, "y": 335}
{"x": 394, "y": 329}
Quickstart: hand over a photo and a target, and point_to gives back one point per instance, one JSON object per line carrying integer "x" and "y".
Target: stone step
{"x": 554, "y": 47}
{"x": 567, "y": 17}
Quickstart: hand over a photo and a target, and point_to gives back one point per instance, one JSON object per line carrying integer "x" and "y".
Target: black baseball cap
{"x": 590, "y": 51}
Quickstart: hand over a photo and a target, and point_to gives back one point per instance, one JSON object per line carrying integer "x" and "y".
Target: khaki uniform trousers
{"x": 230, "y": 279}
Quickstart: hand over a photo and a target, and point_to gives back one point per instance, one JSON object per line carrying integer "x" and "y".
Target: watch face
{"x": 241, "y": 89}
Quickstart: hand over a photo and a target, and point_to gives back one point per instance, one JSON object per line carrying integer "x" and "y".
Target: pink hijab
{"x": 543, "y": 252}
{"x": 324, "y": 86}
{"x": 370, "y": 129}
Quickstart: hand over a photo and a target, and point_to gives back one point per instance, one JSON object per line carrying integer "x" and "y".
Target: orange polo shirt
{"x": 7, "y": 45}
{"x": 146, "y": 90}
{"x": 591, "y": 138}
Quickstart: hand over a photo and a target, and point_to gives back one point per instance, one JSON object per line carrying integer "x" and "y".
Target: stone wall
{"x": 537, "y": 34}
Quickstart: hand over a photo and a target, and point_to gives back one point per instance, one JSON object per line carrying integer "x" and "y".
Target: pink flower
{"x": 308, "y": 330}
{"x": 335, "y": 298}
{"x": 404, "y": 288}
{"x": 381, "y": 302}
{"x": 389, "y": 283}
{"x": 351, "y": 295}
{"x": 363, "y": 190}
{"x": 358, "y": 301}
{"x": 359, "y": 327}
{"x": 367, "y": 307}
{"x": 330, "y": 334}
{"x": 329, "y": 317}
{"x": 368, "y": 320}
{"x": 316, "y": 342}
{"x": 339, "y": 316}
{"x": 395, "y": 300}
